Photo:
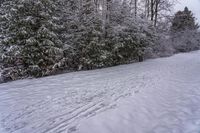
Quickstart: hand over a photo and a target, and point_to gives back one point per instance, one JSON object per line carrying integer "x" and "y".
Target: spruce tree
{"x": 184, "y": 31}
{"x": 71, "y": 31}
{"x": 184, "y": 20}
{"x": 87, "y": 44}
{"x": 30, "y": 41}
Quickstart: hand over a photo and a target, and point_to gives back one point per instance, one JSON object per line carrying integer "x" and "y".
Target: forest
{"x": 46, "y": 37}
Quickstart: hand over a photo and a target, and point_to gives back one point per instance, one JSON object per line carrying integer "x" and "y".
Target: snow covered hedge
{"x": 45, "y": 37}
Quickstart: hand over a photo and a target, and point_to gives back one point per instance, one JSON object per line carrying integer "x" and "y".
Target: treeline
{"x": 45, "y": 37}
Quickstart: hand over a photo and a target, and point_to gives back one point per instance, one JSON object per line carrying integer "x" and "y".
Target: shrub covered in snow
{"x": 45, "y": 37}
{"x": 29, "y": 38}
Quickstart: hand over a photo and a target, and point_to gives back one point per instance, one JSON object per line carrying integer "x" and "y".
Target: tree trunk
{"x": 147, "y": 8}
{"x": 107, "y": 18}
{"x": 152, "y": 10}
{"x": 96, "y": 2}
{"x": 156, "y": 12}
{"x": 136, "y": 8}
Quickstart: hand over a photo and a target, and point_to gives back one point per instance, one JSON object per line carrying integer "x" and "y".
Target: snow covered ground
{"x": 156, "y": 96}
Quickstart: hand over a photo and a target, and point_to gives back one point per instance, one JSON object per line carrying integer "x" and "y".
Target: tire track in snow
{"x": 13, "y": 122}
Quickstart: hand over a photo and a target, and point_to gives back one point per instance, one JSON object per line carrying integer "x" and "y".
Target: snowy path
{"x": 156, "y": 96}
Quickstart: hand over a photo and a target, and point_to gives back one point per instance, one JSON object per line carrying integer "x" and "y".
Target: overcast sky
{"x": 193, "y": 5}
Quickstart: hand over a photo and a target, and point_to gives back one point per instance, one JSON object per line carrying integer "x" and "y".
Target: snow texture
{"x": 156, "y": 96}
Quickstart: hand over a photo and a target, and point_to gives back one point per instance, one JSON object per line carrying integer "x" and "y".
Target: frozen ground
{"x": 156, "y": 96}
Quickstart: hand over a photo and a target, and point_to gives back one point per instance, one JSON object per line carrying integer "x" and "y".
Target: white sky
{"x": 193, "y": 5}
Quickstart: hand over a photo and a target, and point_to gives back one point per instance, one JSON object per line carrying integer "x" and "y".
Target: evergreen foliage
{"x": 184, "y": 32}
{"x": 184, "y": 20}
{"x": 44, "y": 37}
{"x": 30, "y": 42}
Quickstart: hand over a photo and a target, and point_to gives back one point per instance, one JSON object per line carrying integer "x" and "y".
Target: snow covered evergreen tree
{"x": 184, "y": 33}
{"x": 184, "y": 20}
{"x": 71, "y": 31}
{"x": 87, "y": 43}
{"x": 41, "y": 36}
{"x": 31, "y": 47}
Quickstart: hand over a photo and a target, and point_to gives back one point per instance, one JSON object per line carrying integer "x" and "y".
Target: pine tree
{"x": 30, "y": 41}
{"x": 87, "y": 51}
{"x": 184, "y": 20}
{"x": 184, "y": 31}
